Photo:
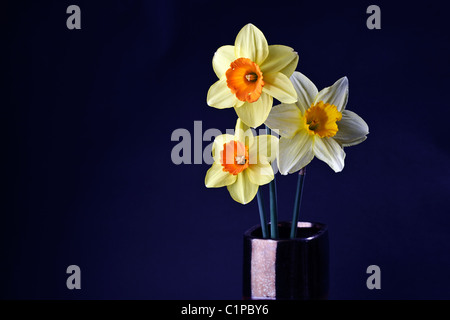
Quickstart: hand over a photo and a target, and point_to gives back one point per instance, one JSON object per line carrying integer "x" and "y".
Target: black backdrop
{"x": 88, "y": 117}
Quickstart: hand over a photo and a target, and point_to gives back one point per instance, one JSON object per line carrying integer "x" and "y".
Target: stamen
{"x": 321, "y": 119}
{"x": 241, "y": 160}
{"x": 234, "y": 157}
{"x": 251, "y": 77}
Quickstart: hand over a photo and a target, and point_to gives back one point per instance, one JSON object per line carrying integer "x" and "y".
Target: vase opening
{"x": 305, "y": 230}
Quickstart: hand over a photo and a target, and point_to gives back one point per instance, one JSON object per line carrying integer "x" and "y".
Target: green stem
{"x": 273, "y": 209}
{"x": 262, "y": 213}
{"x": 298, "y": 201}
{"x": 273, "y": 203}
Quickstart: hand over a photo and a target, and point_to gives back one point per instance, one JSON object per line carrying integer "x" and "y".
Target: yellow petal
{"x": 260, "y": 174}
{"x": 329, "y": 151}
{"x": 243, "y": 133}
{"x": 280, "y": 59}
{"x": 306, "y": 91}
{"x": 254, "y": 114}
{"x": 216, "y": 177}
{"x": 337, "y": 94}
{"x": 263, "y": 149}
{"x": 220, "y": 96}
{"x": 295, "y": 153}
{"x": 286, "y": 119}
{"x": 290, "y": 68}
{"x": 219, "y": 141}
{"x": 250, "y": 43}
{"x": 243, "y": 190}
{"x": 222, "y": 59}
{"x": 280, "y": 87}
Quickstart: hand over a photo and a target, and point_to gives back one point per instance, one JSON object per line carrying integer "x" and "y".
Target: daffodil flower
{"x": 316, "y": 125}
{"x": 242, "y": 162}
{"x": 251, "y": 73}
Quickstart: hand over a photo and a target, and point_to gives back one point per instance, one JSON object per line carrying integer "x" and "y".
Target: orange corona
{"x": 245, "y": 80}
{"x": 234, "y": 157}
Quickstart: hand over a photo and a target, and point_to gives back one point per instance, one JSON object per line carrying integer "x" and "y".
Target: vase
{"x": 284, "y": 268}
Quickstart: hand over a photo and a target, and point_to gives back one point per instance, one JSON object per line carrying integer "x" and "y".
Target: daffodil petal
{"x": 295, "y": 153}
{"x": 239, "y": 103}
{"x": 222, "y": 59}
{"x": 243, "y": 133}
{"x": 280, "y": 87}
{"x": 280, "y": 59}
{"x": 352, "y": 129}
{"x": 354, "y": 142}
{"x": 216, "y": 177}
{"x": 254, "y": 114}
{"x": 250, "y": 43}
{"x": 290, "y": 68}
{"x": 306, "y": 91}
{"x": 219, "y": 141}
{"x": 337, "y": 94}
{"x": 260, "y": 174}
{"x": 263, "y": 149}
{"x": 286, "y": 119}
{"x": 329, "y": 151}
{"x": 243, "y": 190}
{"x": 220, "y": 96}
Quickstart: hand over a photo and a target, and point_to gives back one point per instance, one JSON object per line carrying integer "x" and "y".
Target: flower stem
{"x": 273, "y": 209}
{"x": 298, "y": 201}
{"x": 262, "y": 213}
{"x": 273, "y": 203}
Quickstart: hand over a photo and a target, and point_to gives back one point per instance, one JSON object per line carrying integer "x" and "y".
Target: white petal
{"x": 250, "y": 43}
{"x": 295, "y": 153}
{"x": 354, "y": 142}
{"x": 306, "y": 91}
{"x": 286, "y": 119}
{"x": 254, "y": 114}
{"x": 222, "y": 59}
{"x": 220, "y": 96}
{"x": 329, "y": 151}
{"x": 243, "y": 190}
{"x": 216, "y": 177}
{"x": 280, "y": 59}
{"x": 337, "y": 94}
{"x": 352, "y": 129}
{"x": 280, "y": 87}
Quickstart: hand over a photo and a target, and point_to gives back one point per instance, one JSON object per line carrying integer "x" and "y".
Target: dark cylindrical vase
{"x": 284, "y": 268}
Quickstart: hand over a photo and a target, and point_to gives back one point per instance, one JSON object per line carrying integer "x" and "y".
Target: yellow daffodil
{"x": 242, "y": 162}
{"x": 317, "y": 125}
{"x": 251, "y": 73}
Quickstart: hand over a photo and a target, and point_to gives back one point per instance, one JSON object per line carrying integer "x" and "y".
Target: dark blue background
{"x": 88, "y": 116}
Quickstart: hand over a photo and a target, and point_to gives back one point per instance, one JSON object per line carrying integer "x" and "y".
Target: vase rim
{"x": 321, "y": 229}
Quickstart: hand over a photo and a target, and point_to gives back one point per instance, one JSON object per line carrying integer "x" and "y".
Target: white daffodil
{"x": 251, "y": 73}
{"x": 316, "y": 125}
{"x": 242, "y": 162}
